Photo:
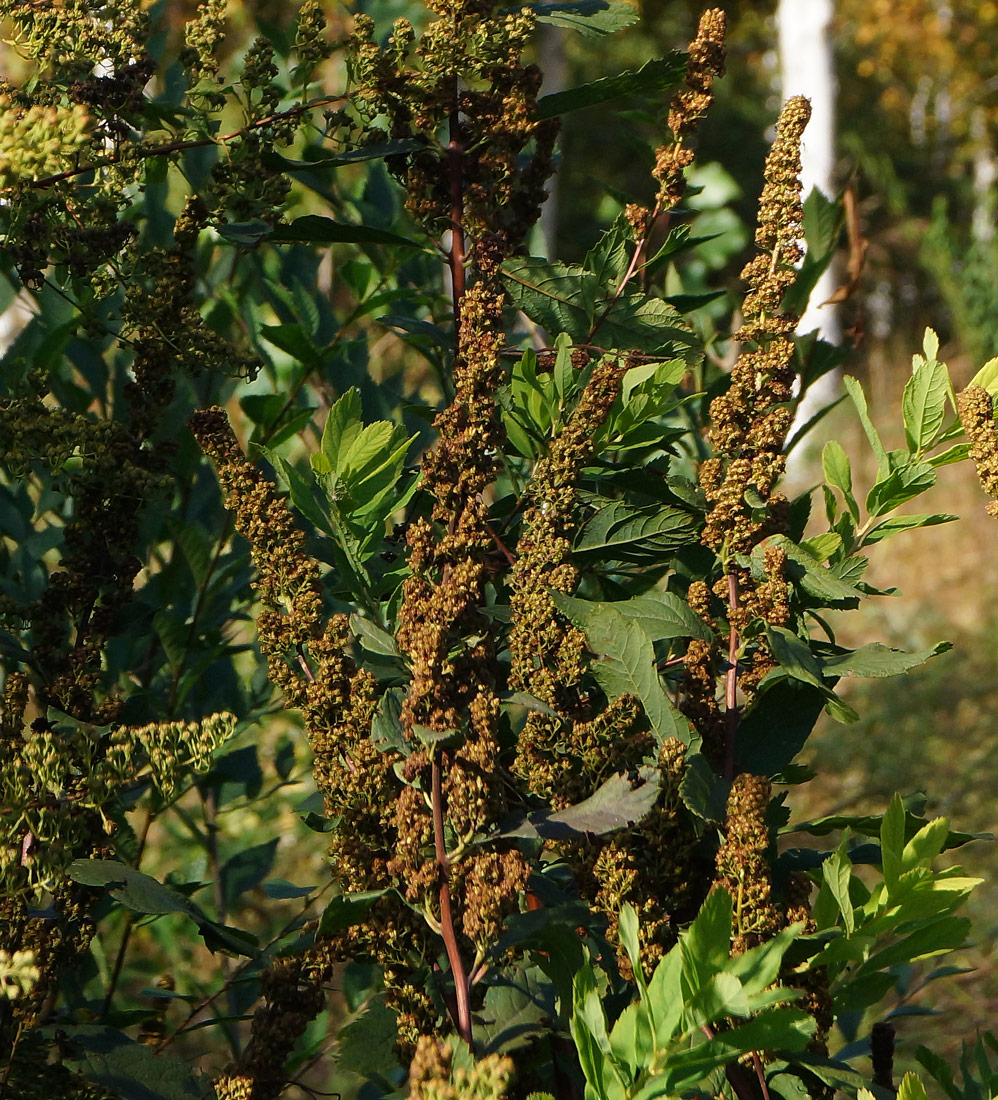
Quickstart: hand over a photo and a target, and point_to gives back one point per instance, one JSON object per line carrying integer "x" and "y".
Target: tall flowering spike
{"x": 705, "y": 64}
{"x": 749, "y": 423}
{"x": 977, "y": 412}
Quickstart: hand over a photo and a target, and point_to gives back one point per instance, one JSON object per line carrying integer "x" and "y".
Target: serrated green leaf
{"x": 654, "y": 77}
{"x": 343, "y": 425}
{"x": 608, "y": 258}
{"x": 923, "y": 404}
{"x": 876, "y": 660}
{"x": 900, "y": 486}
{"x": 517, "y": 1010}
{"x": 591, "y": 18}
{"x": 623, "y": 531}
{"x": 895, "y": 525}
{"x": 707, "y": 942}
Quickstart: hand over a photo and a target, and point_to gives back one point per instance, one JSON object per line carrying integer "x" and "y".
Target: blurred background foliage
{"x": 917, "y": 111}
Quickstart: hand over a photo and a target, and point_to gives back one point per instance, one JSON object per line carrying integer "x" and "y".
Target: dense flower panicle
{"x": 977, "y": 413}
{"x": 689, "y": 105}
{"x": 743, "y": 867}
{"x": 653, "y": 866}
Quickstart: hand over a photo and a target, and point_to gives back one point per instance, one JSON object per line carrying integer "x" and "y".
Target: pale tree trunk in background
{"x": 806, "y": 68}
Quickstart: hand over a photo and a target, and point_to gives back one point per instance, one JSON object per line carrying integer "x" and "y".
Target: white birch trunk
{"x": 806, "y": 68}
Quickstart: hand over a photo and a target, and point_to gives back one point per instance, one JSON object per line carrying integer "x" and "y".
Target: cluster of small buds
{"x": 259, "y": 79}
{"x": 39, "y": 140}
{"x": 977, "y": 413}
{"x": 202, "y": 35}
{"x": 311, "y": 45}
{"x": 433, "y": 1076}
{"x": 18, "y": 973}
{"x": 652, "y": 866}
{"x": 705, "y": 64}
{"x": 743, "y": 866}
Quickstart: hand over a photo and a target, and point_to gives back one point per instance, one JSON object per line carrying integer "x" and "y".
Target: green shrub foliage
{"x": 514, "y": 538}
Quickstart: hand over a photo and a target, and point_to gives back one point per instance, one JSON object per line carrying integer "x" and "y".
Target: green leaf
{"x": 759, "y": 967}
{"x": 245, "y": 234}
{"x": 627, "y": 930}
{"x": 609, "y": 256}
{"x": 911, "y": 1088}
{"x": 653, "y": 78}
{"x": 812, "y": 577}
{"x": 145, "y": 894}
{"x": 777, "y": 725}
{"x": 565, "y": 298}
{"x": 631, "y": 1038}
{"x": 246, "y": 869}
{"x": 373, "y": 638}
{"x": 707, "y": 942}
{"x": 376, "y": 151}
{"x": 665, "y": 995}
{"x": 837, "y": 874}
{"x": 900, "y": 486}
{"x": 517, "y": 1010}
{"x": 346, "y": 910}
{"x": 987, "y": 377}
{"x": 314, "y": 229}
{"x": 126, "y": 1068}
{"x": 591, "y": 18}
{"x": 386, "y": 728}
{"x": 876, "y": 660}
{"x": 926, "y": 844}
{"x": 628, "y": 533}
{"x": 291, "y": 338}
{"x": 855, "y": 391}
{"x": 617, "y": 803}
{"x": 343, "y": 425}
{"x": 897, "y": 524}
{"x": 892, "y": 843}
{"x": 924, "y": 404}
{"x": 794, "y": 656}
{"x": 530, "y": 702}
{"x": 366, "y": 1046}
{"x": 628, "y": 664}
{"x": 838, "y": 472}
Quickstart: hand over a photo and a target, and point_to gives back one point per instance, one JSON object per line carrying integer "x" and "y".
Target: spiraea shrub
{"x": 310, "y": 469}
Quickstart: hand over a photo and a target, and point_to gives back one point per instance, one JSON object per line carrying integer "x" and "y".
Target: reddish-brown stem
{"x": 461, "y": 988}
{"x": 738, "y": 1078}
{"x": 731, "y": 683}
{"x": 455, "y": 154}
{"x": 180, "y": 146}
{"x": 760, "y": 1075}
